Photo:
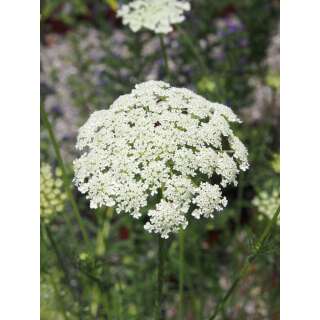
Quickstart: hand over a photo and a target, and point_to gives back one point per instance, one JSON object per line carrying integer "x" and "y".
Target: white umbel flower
{"x": 158, "y": 150}
{"x": 267, "y": 202}
{"x": 154, "y": 15}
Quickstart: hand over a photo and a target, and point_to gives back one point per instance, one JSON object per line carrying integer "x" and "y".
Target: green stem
{"x": 65, "y": 177}
{"x": 165, "y": 56}
{"x": 58, "y": 296}
{"x": 118, "y": 292}
{"x": 194, "y": 50}
{"x": 239, "y": 197}
{"x": 159, "y": 302}
{"x": 203, "y": 66}
{"x": 56, "y": 251}
{"x": 181, "y": 272}
{"x": 244, "y": 270}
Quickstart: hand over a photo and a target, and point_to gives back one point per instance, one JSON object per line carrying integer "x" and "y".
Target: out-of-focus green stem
{"x": 46, "y": 229}
{"x": 159, "y": 302}
{"x": 165, "y": 56}
{"x": 58, "y": 296}
{"x": 65, "y": 176}
{"x": 244, "y": 270}
{"x": 56, "y": 251}
{"x": 181, "y": 273}
{"x": 104, "y": 217}
{"x": 239, "y": 197}
{"x": 197, "y": 54}
{"x": 194, "y": 50}
{"x": 101, "y": 249}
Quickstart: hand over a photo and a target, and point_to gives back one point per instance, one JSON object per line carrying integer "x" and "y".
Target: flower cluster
{"x": 52, "y": 198}
{"x": 155, "y": 15}
{"x": 267, "y": 202}
{"x": 162, "y": 150}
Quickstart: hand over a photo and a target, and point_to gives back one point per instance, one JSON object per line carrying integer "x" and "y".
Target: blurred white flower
{"x": 275, "y": 163}
{"x": 267, "y": 202}
{"x": 52, "y": 197}
{"x": 155, "y": 15}
{"x": 158, "y": 149}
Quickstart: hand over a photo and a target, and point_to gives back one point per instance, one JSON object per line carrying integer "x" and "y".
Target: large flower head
{"x": 155, "y": 15}
{"x": 162, "y": 150}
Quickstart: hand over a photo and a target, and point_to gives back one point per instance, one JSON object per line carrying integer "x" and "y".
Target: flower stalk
{"x": 54, "y": 246}
{"x": 187, "y": 39}
{"x": 181, "y": 273}
{"x": 160, "y": 315}
{"x": 65, "y": 176}
{"x": 58, "y": 297}
{"x": 165, "y": 56}
{"x": 56, "y": 251}
{"x": 203, "y": 66}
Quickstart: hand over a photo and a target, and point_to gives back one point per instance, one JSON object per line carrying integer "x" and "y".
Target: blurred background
{"x": 88, "y": 59}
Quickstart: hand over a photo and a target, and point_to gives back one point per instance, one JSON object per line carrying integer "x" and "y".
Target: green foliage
{"x": 86, "y": 69}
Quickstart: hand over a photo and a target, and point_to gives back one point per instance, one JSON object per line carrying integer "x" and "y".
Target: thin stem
{"x": 203, "y": 66}
{"x": 165, "y": 56}
{"x": 244, "y": 270}
{"x": 181, "y": 272}
{"x": 266, "y": 233}
{"x": 239, "y": 197}
{"x": 56, "y": 251}
{"x": 58, "y": 296}
{"x": 65, "y": 176}
{"x": 194, "y": 50}
{"x": 104, "y": 218}
{"x": 104, "y": 237}
{"x": 118, "y": 292}
{"x": 159, "y": 303}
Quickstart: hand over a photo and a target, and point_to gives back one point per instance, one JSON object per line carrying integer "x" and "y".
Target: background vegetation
{"x": 96, "y": 264}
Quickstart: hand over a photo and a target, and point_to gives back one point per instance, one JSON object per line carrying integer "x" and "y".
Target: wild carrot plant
{"x": 171, "y": 201}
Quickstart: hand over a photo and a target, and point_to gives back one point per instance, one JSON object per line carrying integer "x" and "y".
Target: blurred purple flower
{"x": 243, "y": 43}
